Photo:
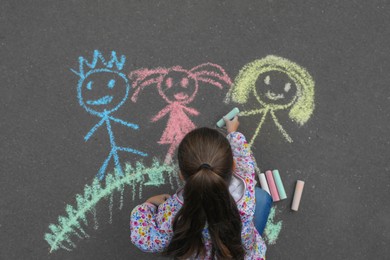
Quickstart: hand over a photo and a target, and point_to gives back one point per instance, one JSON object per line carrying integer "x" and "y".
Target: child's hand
{"x": 231, "y": 125}
{"x": 158, "y": 199}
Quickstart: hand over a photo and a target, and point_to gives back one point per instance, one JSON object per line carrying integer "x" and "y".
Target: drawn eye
{"x": 184, "y": 82}
{"x": 169, "y": 82}
{"x": 89, "y": 85}
{"x": 287, "y": 87}
{"x": 111, "y": 83}
{"x": 267, "y": 80}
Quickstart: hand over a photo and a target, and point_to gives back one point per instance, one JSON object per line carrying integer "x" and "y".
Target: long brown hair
{"x": 206, "y": 163}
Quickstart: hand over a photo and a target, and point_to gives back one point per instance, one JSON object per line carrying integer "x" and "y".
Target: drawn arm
{"x": 242, "y": 156}
{"x": 134, "y": 126}
{"x": 252, "y": 112}
{"x": 162, "y": 113}
{"x": 191, "y": 111}
{"x": 90, "y": 133}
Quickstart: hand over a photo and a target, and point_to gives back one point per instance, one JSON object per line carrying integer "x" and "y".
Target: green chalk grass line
{"x": 70, "y": 225}
{"x": 272, "y": 229}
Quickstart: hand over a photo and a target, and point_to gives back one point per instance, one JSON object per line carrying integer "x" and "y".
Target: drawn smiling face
{"x": 276, "y": 88}
{"x": 178, "y": 86}
{"x": 103, "y": 91}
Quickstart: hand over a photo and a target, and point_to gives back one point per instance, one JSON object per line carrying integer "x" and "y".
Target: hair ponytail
{"x": 207, "y": 200}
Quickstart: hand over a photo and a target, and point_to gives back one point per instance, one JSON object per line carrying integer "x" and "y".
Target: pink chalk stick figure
{"x": 178, "y": 87}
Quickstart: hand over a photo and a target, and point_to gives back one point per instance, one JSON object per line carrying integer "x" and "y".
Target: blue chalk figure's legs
{"x": 262, "y": 209}
{"x": 118, "y": 167}
{"x": 126, "y": 149}
{"x": 114, "y": 154}
{"x": 114, "y": 148}
{"x": 103, "y": 168}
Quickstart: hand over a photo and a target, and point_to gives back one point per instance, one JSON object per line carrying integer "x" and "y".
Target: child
{"x": 213, "y": 215}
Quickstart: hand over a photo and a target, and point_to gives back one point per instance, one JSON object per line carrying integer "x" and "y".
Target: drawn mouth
{"x": 272, "y": 96}
{"x": 101, "y": 101}
{"x": 180, "y": 96}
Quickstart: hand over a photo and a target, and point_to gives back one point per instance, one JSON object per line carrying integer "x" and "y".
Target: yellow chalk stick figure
{"x": 277, "y": 84}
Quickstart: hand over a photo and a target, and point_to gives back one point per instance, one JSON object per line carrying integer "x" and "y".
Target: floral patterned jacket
{"x": 151, "y": 227}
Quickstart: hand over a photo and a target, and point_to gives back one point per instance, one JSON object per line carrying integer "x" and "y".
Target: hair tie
{"x": 205, "y": 166}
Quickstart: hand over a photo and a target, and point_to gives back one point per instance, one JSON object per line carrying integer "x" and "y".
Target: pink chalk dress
{"x": 151, "y": 226}
{"x": 178, "y": 123}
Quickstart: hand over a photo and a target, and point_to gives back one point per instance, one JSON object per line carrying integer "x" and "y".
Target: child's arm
{"x": 241, "y": 151}
{"x": 151, "y": 223}
{"x": 144, "y": 229}
{"x": 240, "y": 146}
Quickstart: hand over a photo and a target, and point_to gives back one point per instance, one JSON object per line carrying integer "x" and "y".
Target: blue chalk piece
{"x": 229, "y": 115}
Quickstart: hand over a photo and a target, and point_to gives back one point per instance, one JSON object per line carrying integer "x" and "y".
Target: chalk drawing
{"x": 178, "y": 87}
{"x": 277, "y": 84}
{"x": 72, "y": 225}
{"x": 272, "y": 228}
{"x": 101, "y": 91}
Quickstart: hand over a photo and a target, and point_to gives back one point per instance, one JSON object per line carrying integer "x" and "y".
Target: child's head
{"x": 205, "y": 148}
{"x": 206, "y": 164}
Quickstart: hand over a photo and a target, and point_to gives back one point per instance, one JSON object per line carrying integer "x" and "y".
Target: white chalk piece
{"x": 263, "y": 183}
{"x": 297, "y": 195}
{"x": 229, "y": 116}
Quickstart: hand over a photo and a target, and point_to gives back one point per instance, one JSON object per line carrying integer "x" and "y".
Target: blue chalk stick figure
{"x": 101, "y": 91}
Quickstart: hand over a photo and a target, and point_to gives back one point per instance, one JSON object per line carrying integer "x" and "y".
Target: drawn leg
{"x": 171, "y": 151}
{"x": 284, "y": 133}
{"x": 168, "y": 159}
{"x": 103, "y": 168}
{"x": 258, "y": 128}
{"x": 118, "y": 168}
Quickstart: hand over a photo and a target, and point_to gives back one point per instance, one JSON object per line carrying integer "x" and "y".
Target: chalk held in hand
{"x": 263, "y": 183}
{"x": 297, "y": 195}
{"x": 229, "y": 116}
{"x": 279, "y": 185}
{"x": 272, "y": 186}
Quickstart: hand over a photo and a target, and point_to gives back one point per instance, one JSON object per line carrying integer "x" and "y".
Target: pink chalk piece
{"x": 178, "y": 87}
{"x": 272, "y": 186}
{"x": 297, "y": 195}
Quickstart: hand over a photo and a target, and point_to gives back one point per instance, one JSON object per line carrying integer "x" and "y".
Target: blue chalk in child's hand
{"x": 229, "y": 116}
